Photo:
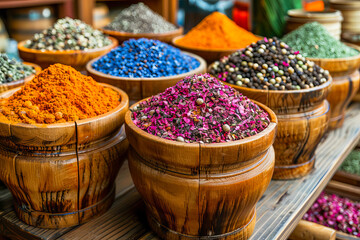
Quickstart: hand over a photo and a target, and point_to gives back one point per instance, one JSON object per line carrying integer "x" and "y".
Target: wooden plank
{"x": 278, "y": 211}
{"x": 348, "y": 178}
{"x": 310, "y": 230}
{"x": 344, "y": 190}
{"x": 285, "y": 202}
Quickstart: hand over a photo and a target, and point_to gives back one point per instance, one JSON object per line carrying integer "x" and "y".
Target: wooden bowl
{"x": 74, "y": 58}
{"x": 196, "y": 190}
{"x": 7, "y": 86}
{"x": 63, "y": 174}
{"x": 164, "y": 37}
{"x": 345, "y": 85}
{"x": 303, "y": 117}
{"x": 139, "y": 88}
{"x": 210, "y": 55}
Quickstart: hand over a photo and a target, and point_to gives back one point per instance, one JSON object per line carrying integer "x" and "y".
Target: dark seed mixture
{"x": 68, "y": 34}
{"x": 138, "y": 18}
{"x": 201, "y": 109}
{"x": 269, "y": 64}
{"x": 12, "y": 70}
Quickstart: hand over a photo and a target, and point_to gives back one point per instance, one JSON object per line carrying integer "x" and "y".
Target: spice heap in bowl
{"x": 341, "y": 60}
{"x": 202, "y": 110}
{"x": 335, "y": 212}
{"x": 68, "y": 41}
{"x": 144, "y": 67}
{"x": 209, "y": 136}
{"x": 139, "y": 21}
{"x": 139, "y": 18}
{"x": 12, "y": 70}
{"x": 58, "y": 94}
{"x": 62, "y": 116}
{"x": 293, "y": 87}
{"x": 215, "y": 36}
{"x": 314, "y": 41}
{"x": 68, "y": 34}
{"x": 269, "y": 64}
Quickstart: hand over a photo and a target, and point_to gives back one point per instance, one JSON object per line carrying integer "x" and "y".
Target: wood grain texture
{"x": 344, "y": 190}
{"x": 7, "y": 86}
{"x": 309, "y": 230}
{"x": 75, "y": 58}
{"x": 345, "y": 177}
{"x": 303, "y": 117}
{"x": 61, "y": 175}
{"x": 124, "y": 36}
{"x": 139, "y": 88}
{"x": 278, "y": 211}
{"x": 194, "y": 190}
{"x": 210, "y": 55}
{"x": 342, "y": 91}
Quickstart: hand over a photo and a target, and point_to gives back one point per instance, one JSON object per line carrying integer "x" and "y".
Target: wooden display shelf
{"x": 65, "y": 6}
{"x": 278, "y": 211}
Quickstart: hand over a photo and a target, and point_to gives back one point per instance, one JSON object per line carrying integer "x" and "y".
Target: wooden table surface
{"x": 278, "y": 211}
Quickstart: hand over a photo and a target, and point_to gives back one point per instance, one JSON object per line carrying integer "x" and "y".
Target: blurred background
{"x": 20, "y": 19}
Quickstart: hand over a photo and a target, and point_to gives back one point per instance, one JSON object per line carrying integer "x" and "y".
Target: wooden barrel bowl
{"x": 23, "y": 23}
{"x": 75, "y": 58}
{"x": 346, "y": 82}
{"x": 140, "y": 88}
{"x": 124, "y": 36}
{"x": 303, "y": 117}
{"x": 62, "y": 175}
{"x": 350, "y": 11}
{"x": 201, "y": 191}
{"x": 210, "y": 55}
{"x": 7, "y": 86}
{"x": 330, "y": 19}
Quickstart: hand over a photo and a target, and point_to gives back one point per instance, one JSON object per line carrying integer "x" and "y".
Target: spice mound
{"x": 313, "y": 40}
{"x": 269, "y": 64}
{"x": 352, "y": 163}
{"x": 12, "y": 70}
{"x": 201, "y": 109}
{"x": 217, "y": 31}
{"x": 145, "y": 58}
{"x": 58, "y": 94}
{"x": 138, "y": 18}
{"x": 335, "y": 212}
{"x": 68, "y": 34}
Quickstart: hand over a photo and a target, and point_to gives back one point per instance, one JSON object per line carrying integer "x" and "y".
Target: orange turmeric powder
{"x": 217, "y": 31}
{"x": 58, "y": 94}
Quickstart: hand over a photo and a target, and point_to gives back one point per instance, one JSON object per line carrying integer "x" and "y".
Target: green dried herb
{"x": 352, "y": 163}
{"x": 314, "y": 41}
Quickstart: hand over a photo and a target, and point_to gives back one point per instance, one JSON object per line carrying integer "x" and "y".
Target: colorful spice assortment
{"x": 217, "y": 31}
{"x": 200, "y": 108}
{"x": 12, "y": 70}
{"x": 352, "y": 163}
{"x": 138, "y": 18}
{"x": 335, "y": 212}
{"x": 269, "y": 64}
{"x": 313, "y": 40}
{"x": 68, "y": 34}
{"x": 58, "y": 94}
{"x": 145, "y": 58}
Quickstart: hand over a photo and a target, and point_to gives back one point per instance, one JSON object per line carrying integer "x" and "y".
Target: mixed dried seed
{"x": 68, "y": 34}
{"x": 269, "y": 64}
{"x": 12, "y": 70}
